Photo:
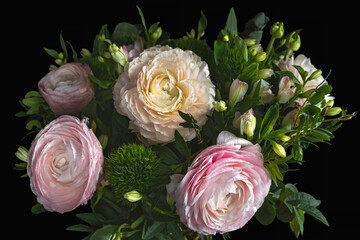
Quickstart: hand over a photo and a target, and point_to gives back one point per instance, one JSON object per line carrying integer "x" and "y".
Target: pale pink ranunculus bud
{"x": 223, "y": 188}
{"x": 156, "y": 85}
{"x": 65, "y": 163}
{"x": 68, "y": 88}
{"x": 286, "y": 90}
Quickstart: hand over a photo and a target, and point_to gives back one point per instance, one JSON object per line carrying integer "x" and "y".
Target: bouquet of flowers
{"x": 175, "y": 139}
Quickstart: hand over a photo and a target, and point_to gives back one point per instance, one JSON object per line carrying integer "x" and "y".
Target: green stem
{"x": 269, "y": 47}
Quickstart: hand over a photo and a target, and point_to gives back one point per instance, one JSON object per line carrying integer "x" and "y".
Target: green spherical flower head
{"x": 131, "y": 167}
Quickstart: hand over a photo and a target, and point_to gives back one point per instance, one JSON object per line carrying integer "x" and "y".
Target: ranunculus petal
{"x": 223, "y": 188}
{"x": 67, "y": 89}
{"x": 156, "y": 85}
{"x": 65, "y": 164}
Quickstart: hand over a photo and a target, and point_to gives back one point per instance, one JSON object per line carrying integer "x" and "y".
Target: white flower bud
{"x": 238, "y": 90}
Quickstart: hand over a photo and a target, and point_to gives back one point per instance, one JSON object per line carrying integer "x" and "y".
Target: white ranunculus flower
{"x": 158, "y": 83}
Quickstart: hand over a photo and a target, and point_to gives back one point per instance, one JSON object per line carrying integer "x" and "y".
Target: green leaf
{"x": 166, "y": 154}
{"x": 91, "y": 218}
{"x": 250, "y": 73}
{"x": 31, "y": 101}
{"x": 153, "y": 230}
{"x": 283, "y": 213}
{"x": 241, "y": 46}
{"x": 297, "y": 152}
{"x": 277, "y": 133}
{"x": 301, "y": 71}
{"x": 326, "y": 89}
{"x": 181, "y": 145}
{"x": 51, "y": 52}
{"x": 317, "y": 98}
{"x": 231, "y": 23}
{"x": 297, "y": 224}
{"x": 201, "y": 25}
{"x": 100, "y": 83}
{"x": 266, "y": 213}
{"x": 269, "y": 120}
{"x": 175, "y": 231}
{"x": 219, "y": 50}
{"x": 63, "y": 46}
{"x": 38, "y": 208}
{"x": 33, "y": 123}
{"x": 79, "y": 228}
{"x": 104, "y": 233}
{"x": 313, "y": 211}
{"x": 302, "y": 198}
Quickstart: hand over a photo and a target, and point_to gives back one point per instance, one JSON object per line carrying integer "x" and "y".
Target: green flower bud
{"x": 85, "y": 53}
{"x": 260, "y": 57}
{"x": 133, "y": 196}
{"x": 315, "y": 75}
{"x": 278, "y": 149}
{"x": 250, "y": 42}
{"x": 22, "y": 154}
{"x": 265, "y": 73}
{"x": 101, "y": 59}
{"x": 157, "y": 34}
{"x": 293, "y": 41}
{"x": 226, "y": 38}
{"x": 61, "y": 55}
{"x": 219, "y": 106}
{"x": 333, "y": 111}
{"x": 277, "y": 30}
{"x": 58, "y": 61}
{"x": 284, "y": 138}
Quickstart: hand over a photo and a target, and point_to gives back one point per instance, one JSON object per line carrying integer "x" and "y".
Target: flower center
{"x": 164, "y": 92}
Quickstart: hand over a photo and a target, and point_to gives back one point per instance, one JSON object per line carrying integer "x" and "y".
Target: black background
{"x": 329, "y": 37}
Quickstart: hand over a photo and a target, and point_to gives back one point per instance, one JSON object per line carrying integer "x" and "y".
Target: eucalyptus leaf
{"x": 266, "y": 213}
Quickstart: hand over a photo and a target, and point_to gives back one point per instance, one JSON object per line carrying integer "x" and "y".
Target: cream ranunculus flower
{"x": 158, "y": 83}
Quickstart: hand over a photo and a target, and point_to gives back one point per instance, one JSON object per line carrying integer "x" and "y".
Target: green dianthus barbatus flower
{"x": 131, "y": 167}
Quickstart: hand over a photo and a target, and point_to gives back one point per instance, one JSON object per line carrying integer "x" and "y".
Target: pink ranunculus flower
{"x": 223, "y": 188}
{"x": 68, "y": 88}
{"x": 65, "y": 163}
{"x": 156, "y": 85}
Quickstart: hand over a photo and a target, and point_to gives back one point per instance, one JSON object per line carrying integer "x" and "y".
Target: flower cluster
{"x": 177, "y": 139}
